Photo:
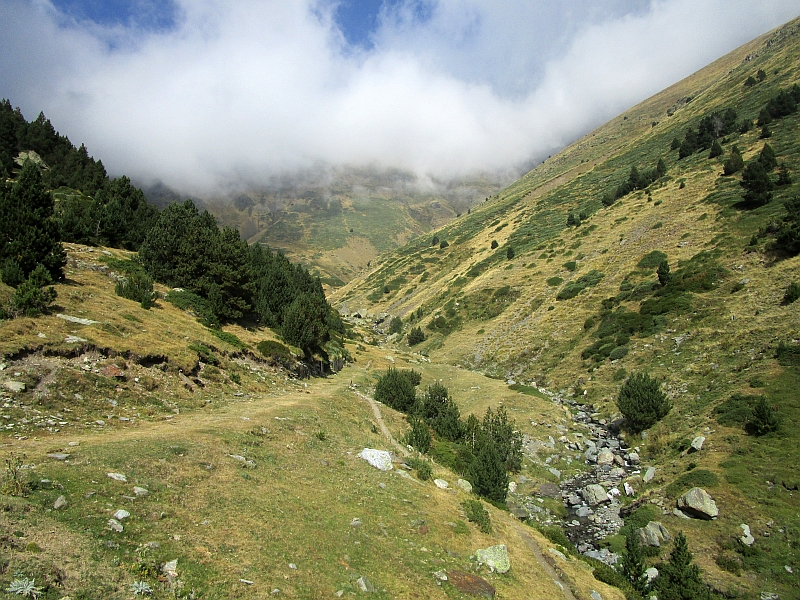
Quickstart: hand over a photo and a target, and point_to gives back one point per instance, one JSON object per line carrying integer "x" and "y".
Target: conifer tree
{"x": 663, "y": 273}
{"x": 678, "y": 578}
{"x": 642, "y": 402}
{"x": 633, "y": 565}
{"x": 487, "y": 472}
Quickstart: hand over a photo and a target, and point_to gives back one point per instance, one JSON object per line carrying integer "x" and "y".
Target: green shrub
{"x": 419, "y": 436}
{"x": 694, "y": 478}
{"x": 477, "y": 514}
{"x": 12, "y": 273}
{"x": 554, "y": 281}
{"x": 588, "y": 323}
{"x": 642, "y": 402}
{"x": 736, "y": 410}
{"x": 764, "y": 419}
{"x": 590, "y": 279}
{"x": 443, "y": 244}
{"x": 204, "y": 353}
{"x": 652, "y": 260}
{"x": 792, "y": 293}
{"x": 31, "y": 298}
{"x": 570, "y": 266}
{"x": 395, "y": 390}
{"x": 415, "y": 336}
{"x": 455, "y": 457}
{"x": 618, "y": 352}
{"x": 138, "y": 286}
{"x": 197, "y": 305}
{"x": 556, "y": 535}
{"x": 422, "y": 467}
{"x": 788, "y": 354}
{"x": 275, "y": 351}
{"x": 395, "y": 325}
{"x": 494, "y": 245}
{"x": 229, "y": 338}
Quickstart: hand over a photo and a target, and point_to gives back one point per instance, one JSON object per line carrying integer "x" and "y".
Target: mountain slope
{"x": 572, "y": 295}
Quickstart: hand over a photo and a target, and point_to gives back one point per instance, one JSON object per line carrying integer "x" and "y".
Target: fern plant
{"x": 27, "y": 588}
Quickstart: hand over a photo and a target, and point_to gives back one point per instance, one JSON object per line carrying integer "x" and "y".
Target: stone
{"x": 651, "y": 573}
{"x": 77, "y": 320}
{"x": 574, "y": 499}
{"x": 464, "y": 485}
{"x": 548, "y": 490}
{"x": 512, "y": 486}
{"x": 380, "y": 459}
{"x": 14, "y": 386}
{"x": 619, "y": 461}
{"x": 113, "y": 371}
{"x": 467, "y": 583}
{"x": 441, "y": 484}
{"x": 583, "y": 511}
{"x": 58, "y": 455}
{"x": 121, "y": 514}
{"x": 60, "y": 502}
{"x": 596, "y": 595}
{"x": 170, "y": 569}
{"x": 653, "y": 534}
{"x": 516, "y": 509}
{"x": 680, "y": 514}
{"x": 605, "y": 457}
{"x": 73, "y": 339}
{"x": 769, "y": 596}
{"x": 140, "y": 491}
{"x": 633, "y": 458}
{"x": 117, "y": 477}
{"x": 356, "y": 522}
{"x": 594, "y": 494}
{"x": 555, "y": 472}
{"x": 698, "y": 503}
{"x": 649, "y": 474}
{"x": 494, "y": 557}
{"x": 440, "y": 575}
{"x": 364, "y": 585}
{"x": 629, "y": 491}
{"x": 115, "y": 525}
{"x": 245, "y": 461}
{"x": 557, "y": 554}
{"x": 697, "y": 444}
{"x": 747, "y": 538}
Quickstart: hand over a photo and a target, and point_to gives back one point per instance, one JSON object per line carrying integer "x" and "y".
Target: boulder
{"x": 633, "y": 458}
{"x": 365, "y": 585}
{"x": 441, "y": 484}
{"x": 14, "y": 386}
{"x": 594, "y": 494}
{"x": 605, "y": 457}
{"x": 380, "y": 459}
{"x": 746, "y": 538}
{"x": 649, "y": 474}
{"x": 464, "y": 485}
{"x": 121, "y": 514}
{"x": 697, "y": 444}
{"x": 651, "y": 574}
{"x": 516, "y": 509}
{"x": 698, "y": 503}
{"x": 60, "y": 502}
{"x": 494, "y": 557}
{"x": 467, "y": 583}
{"x": 653, "y": 534}
{"x": 548, "y": 490}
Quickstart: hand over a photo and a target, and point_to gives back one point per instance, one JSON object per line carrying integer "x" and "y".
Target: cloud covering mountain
{"x": 238, "y": 92}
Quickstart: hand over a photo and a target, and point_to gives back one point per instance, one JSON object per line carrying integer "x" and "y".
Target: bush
{"x": 792, "y": 293}
{"x": 477, "y": 514}
{"x": 764, "y": 419}
{"x": 419, "y": 436}
{"x": 12, "y": 273}
{"x": 396, "y": 325}
{"x": 510, "y": 253}
{"x": 31, "y": 298}
{"x": 494, "y": 244}
{"x": 422, "y": 467}
{"x": 137, "y": 287}
{"x": 443, "y": 244}
{"x": 395, "y": 390}
{"x": 275, "y": 351}
{"x": 415, "y": 336}
{"x": 229, "y": 338}
{"x": 652, "y": 260}
{"x": 642, "y": 402}
{"x": 618, "y": 352}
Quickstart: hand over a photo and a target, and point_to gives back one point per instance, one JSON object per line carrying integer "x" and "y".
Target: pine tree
{"x": 633, "y": 564}
{"x": 304, "y": 323}
{"x": 395, "y": 390}
{"x": 678, "y": 578}
{"x": 642, "y": 402}
{"x": 757, "y": 184}
{"x": 716, "y": 149}
{"x": 663, "y": 273}
{"x": 735, "y": 163}
{"x": 415, "y": 336}
{"x": 487, "y": 472}
{"x": 442, "y": 413}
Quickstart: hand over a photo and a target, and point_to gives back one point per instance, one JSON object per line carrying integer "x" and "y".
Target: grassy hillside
{"x": 573, "y": 295}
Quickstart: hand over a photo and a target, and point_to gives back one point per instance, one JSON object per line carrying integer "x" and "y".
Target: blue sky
{"x": 206, "y": 95}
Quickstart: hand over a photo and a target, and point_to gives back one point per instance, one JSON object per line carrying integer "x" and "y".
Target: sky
{"x": 212, "y": 95}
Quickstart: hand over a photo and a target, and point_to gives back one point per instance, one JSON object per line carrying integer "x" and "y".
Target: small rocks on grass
{"x": 246, "y": 581}
{"x": 440, "y": 575}
{"x": 245, "y": 461}
{"x": 170, "y": 569}
{"x": 293, "y": 566}
{"x": 697, "y": 444}
{"x": 14, "y": 386}
{"x": 117, "y": 477}
{"x": 746, "y": 538}
{"x": 629, "y": 491}
{"x": 356, "y": 522}
{"x": 512, "y": 486}
{"x": 441, "y": 484}
{"x": 649, "y": 474}
{"x": 140, "y": 491}
{"x": 121, "y": 514}
{"x": 698, "y": 503}
{"x": 60, "y": 502}
{"x": 115, "y": 525}
{"x": 464, "y": 485}
{"x": 58, "y": 455}
{"x": 364, "y": 585}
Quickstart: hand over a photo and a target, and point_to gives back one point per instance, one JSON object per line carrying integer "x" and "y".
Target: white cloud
{"x": 242, "y": 91}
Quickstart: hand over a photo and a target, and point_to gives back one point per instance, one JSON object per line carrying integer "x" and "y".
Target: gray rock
{"x": 596, "y": 595}
{"x": 77, "y": 320}
{"x": 605, "y": 457}
{"x": 583, "y": 511}
{"x": 356, "y": 522}
{"x": 440, "y": 575}
{"x": 73, "y": 339}
{"x": 59, "y": 455}
{"x": 494, "y": 557}
{"x": 653, "y": 534}
{"x": 140, "y": 491}
{"x": 121, "y": 514}
{"x": 574, "y": 499}
{"x": 441, "y": 484}
{"x": 697, "y": 444}
{"x": 698, "y": 503}
{"x": 680, "y": 514}
{"x": 464, "y": 485}
{"x": 555, "y": 472}
{"x": 769, "y": 596}
{"x": 651, "y": 574}
{"x": 244, "y": 460}
{"x": 633, "y": 458}
{"x": 115, "y": 525}
{"x": 60, "y": 502}
{"x": 649, "y": 474}
{"x": 517, "y": 509}
{"x": 170, "y": 569}
{"x": 594, "y": 494}
{"x": 14, "y": 386}
{"x": 117, "y": 477}
{"x": 380, "y": 459}
{"x": 364, "y": 584}
{"x": 747, "y": 538}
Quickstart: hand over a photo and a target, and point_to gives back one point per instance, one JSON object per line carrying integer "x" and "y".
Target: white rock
{"x": 629, "y": 491}
{"x": 170, "y": 568}
{"x": 60, "y": 502}
{"x": 73, "y": 339}
{"x": 121, "y": 514}
{"x": 651, "y": 574}
{"x": 380, "y": 459}
{"x": 140, "y": 491}
{"x": 14, "y": 386}
{"x": 117, "y": 477}
{"x": 747, "y": 538}
{"x": 512, "y": 486}
{"x": 649, "y": 474}
{"x": 77, "y": 320}
{"x": 115, "y": 525}
{"x": 464, "y": 485}
{"x": 697, "y": 444}
{"x": 441, "y": 484}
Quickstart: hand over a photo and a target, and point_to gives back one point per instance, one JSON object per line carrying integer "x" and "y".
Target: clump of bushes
{"x": 572, "y": 289}
{"x": 792, "y": 293}
{"x": 415, "y": 336}
{"x": 422, "y": 467}
{"x": 138, "y": 286}
{"x": 642, "y": 402}
{"x": 477, "y": 514}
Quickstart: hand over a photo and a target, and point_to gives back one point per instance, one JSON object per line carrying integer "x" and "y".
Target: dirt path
{"x": 384, "y": 429}
{"x": 537, "y": 552}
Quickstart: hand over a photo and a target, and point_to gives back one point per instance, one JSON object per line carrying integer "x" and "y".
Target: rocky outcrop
{"x": 594, "y": 494}
{"x": 494, "y": 557}
{"x": 653, "y": 534}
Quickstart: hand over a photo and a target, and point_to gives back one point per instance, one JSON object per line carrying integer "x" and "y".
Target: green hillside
{"x": 552, "y": 282}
